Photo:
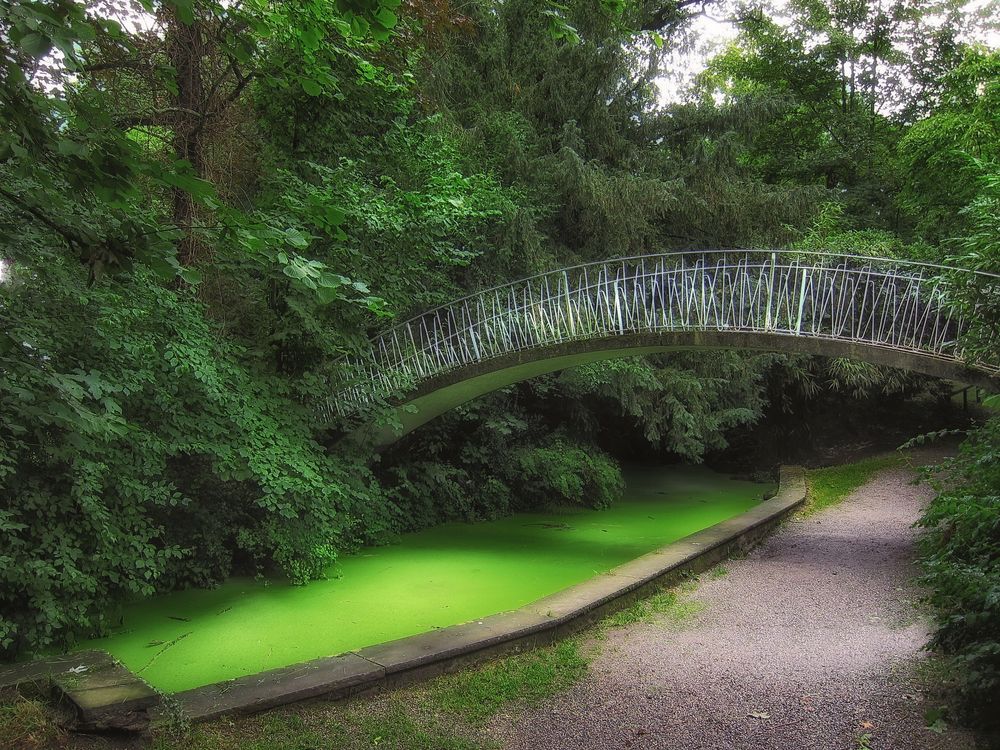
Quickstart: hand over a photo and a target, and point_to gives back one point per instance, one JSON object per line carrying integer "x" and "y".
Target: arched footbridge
{"x": 905, "y": 314}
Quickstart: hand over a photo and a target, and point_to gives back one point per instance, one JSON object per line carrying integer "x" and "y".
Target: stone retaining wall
{"x": 553, "y": 617}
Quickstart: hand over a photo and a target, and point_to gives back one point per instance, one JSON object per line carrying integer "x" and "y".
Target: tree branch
{"x": 667, "y": 15}
{"x": 71, "y": 237}
{"x": 241, "y": 84}
{"x": 156, "y": 117}
{"x": 111, "y": 65}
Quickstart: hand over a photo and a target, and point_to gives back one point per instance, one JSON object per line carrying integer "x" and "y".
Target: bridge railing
{"x": 902, "y": 305}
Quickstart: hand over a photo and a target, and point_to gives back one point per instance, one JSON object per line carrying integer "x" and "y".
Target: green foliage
{"x": 979, "y": 248}
{"x": 831, "y": 232}
{"x": 269, "y": 183}
{"x": 945, "y": 156}
{"x": 491, "y": 481}
{"x": 421, "y": 198}
{"x": 561, "y": 124}
{"x": 425, "y": 492}
{"x": 684, "y": 404}
{"x": 72, "y": 171}
{"x": 561, "y": 473}
{"x": 836, "y": 93}
{"x": 140, "y": 452}
{"x": 82, "y": 173}
{"x": 960, "y": 549}
{"x": 799, "y": 83}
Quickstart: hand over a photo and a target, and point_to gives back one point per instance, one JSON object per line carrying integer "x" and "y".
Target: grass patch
{"x": 27, "y": 724}
{"x": 934, "y": 674}
{"x": 398, "y": 727}
{"x": 446, "y": 714}
{"x": 392, "y": 724}
{"x": 719, "y": 571}
{"x": 668, "y": 604}
{"x": 527, "y": 679}
{"x": 830, "y": 485}
{"x": 279, "y": 730}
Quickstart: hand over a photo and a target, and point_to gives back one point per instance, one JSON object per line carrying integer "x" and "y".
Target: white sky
{"x": 712, "y": 34}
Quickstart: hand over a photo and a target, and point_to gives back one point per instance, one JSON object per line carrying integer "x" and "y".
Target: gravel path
{"x": 815, "y": 632}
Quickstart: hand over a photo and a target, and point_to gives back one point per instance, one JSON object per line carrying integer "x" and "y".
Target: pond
{"x": 431, "y": 579}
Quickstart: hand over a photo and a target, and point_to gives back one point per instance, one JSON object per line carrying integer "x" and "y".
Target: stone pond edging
{"x": 543, "y": 621}
{"x": 110, "y": 696}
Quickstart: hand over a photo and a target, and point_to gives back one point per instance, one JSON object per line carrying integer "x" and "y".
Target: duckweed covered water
{"x": 442, "y": 576}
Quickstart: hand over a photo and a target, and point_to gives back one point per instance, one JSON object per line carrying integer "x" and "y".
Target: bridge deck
{"x": 900, "y": 313}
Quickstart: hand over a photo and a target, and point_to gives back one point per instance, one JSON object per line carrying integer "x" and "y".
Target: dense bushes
{"x": 157, "y": 436}
{"x": 567, "y": 474}
{"x": 961, "y": 563}
{"x": 140, "y": 450}
{"x": 539, "y": 472}
{"x": 158, "y": 433}
{"x": 953, "y": 154}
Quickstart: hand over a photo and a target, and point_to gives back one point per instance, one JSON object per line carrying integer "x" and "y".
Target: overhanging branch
{"x": 667, "y": 15}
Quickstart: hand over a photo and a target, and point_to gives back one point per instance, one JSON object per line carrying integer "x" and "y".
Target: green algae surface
{"x": 446, "y": 575}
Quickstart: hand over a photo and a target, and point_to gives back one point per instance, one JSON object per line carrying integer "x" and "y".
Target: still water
{"x": 446, "y": 575}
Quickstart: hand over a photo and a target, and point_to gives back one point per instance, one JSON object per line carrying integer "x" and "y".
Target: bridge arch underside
{"x": 444, "y": 392}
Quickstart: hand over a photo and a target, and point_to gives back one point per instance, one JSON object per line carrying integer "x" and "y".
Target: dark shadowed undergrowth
{"x": 961, "y": 567}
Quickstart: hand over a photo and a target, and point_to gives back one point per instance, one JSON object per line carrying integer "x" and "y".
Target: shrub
{"x": 960, "y": 549}
{"x": 140, "y": 450}
{"x": 566, "y": 473}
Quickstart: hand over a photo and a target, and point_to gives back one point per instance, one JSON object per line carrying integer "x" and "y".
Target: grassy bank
{"x": 832, "y": 484}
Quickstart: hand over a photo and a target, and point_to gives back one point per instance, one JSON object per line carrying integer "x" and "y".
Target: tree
{"x": 946, "y": 157}
{"x": 839, "y": 82}
{"x": 74, "y": 123}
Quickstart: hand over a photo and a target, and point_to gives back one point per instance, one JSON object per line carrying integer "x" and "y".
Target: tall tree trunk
{"x": 186, "y": 50}
{"x": 843, "y": 87}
